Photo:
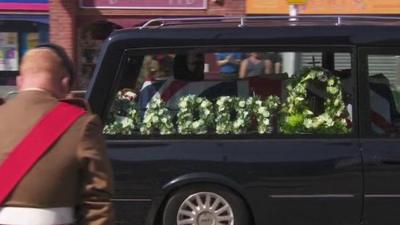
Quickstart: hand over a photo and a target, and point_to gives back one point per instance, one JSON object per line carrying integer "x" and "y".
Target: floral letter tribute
{"x": 235, "y": 115}
{"x": 189, "y": 106}
{"x": 124, "y": 117}
{"x": 157, "y": 118}
{"x": 227, "y": 107}
{"x": 298, "y": 118}
{"x": 263, "y": 111}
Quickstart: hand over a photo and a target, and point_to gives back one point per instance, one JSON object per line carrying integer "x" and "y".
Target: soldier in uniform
{"x": 72, "y": 182}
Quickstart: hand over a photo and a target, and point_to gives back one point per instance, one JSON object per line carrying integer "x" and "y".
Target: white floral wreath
{"x": 157, "y": 118}
{"x": 298, "y": 118}
{"x": 188, "y": 106}
{"x": 124, "y": 117}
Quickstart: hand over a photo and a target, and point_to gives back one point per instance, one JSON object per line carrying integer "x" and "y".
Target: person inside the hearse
{"x": 150, "y": 66}
{"x": 165, "y": 62}
{"x": 148, "y": 70}
{"x": 189, "y": 66}
{"x": 253, "y": 65}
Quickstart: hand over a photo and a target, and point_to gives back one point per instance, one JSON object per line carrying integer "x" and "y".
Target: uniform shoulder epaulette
{"x": 80, "y": 102}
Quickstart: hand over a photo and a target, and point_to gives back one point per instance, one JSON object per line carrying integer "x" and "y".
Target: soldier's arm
{"x": 96, "y": 175}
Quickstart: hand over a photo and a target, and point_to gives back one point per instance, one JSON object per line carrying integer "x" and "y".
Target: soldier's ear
{"x": 66, "y": 84}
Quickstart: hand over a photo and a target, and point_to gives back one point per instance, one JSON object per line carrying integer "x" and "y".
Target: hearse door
{"x": 320, "y": 178}
{"x": 379, "y": 73}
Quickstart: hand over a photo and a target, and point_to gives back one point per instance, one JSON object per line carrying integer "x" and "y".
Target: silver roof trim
{"x": 244, "y": 21}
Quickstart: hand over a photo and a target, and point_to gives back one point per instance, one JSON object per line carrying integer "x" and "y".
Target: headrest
{"x": 182, "y": 70}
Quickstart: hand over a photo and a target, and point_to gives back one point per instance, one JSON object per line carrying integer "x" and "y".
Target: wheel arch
{"x": 187, "y": 180}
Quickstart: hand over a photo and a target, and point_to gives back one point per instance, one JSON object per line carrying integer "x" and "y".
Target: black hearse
{"x": 253, "y": 120}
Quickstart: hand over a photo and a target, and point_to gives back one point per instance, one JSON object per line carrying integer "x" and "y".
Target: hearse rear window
{"x": 384, "y": 94}
{"x": 197, "y": 92}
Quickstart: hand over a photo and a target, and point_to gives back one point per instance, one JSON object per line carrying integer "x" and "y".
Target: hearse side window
{"x": 384, "y": 94}
{"x": 230, "y": 92}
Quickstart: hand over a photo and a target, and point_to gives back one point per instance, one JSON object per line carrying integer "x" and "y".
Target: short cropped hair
{"x": 66, "y": 62}
{"x": 41, "y": 61}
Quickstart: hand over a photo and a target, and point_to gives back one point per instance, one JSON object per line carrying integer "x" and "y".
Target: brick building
{"x": 81, "y": 25}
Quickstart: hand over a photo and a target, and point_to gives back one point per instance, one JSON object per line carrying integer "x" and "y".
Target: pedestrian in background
{"x": 71, "y": 183}
{"x": 229, "y": 63}
{"x": 253, "y": 65}
{"x": 273, "y": 63}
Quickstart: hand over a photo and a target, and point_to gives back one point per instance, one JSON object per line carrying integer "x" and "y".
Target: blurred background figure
{"x": 229, "y": 63}
{"x": 273, "y": 62}
{"x": 253, "y": 65}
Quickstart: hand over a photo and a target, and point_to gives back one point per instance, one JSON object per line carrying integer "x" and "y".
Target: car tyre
{"x": 205, "y": 205}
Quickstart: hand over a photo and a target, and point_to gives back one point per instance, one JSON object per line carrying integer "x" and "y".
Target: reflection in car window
{"x": 211, "y": 93}
{"x": 384, "y": 94}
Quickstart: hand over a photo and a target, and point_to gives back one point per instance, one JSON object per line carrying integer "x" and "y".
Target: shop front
{"x": 318, "y": 7}
{"x": 381, "y": 8}
{"x": 23, "y": 25}
{"x": 116, "y": 15}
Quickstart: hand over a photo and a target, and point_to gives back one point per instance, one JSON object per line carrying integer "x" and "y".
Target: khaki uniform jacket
{"x": 75, "y": 172}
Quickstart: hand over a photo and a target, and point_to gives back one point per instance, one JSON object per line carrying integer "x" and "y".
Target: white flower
{"x": 299, "y": 99}
{"x": 196, "y": 124}
{"x": 126, "y": 122}
{"x": 329, "y": 122}
{"x": 336, "y": 102}
{"x": 183, "y": 104}
{"x": 308, "y": 112}
{"x": 261, "y": 110}
{"x": 266, "y": 114}
{"x": 146, "y": 119}
{"x": 308, "y": 123}
{"x": 154, "y": 119}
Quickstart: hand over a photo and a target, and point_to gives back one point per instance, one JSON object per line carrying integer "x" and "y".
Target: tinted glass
{"x": 231, "y": 92}
{"x": 384, "y": 94}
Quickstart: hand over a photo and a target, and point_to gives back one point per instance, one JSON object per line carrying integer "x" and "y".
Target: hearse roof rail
{"x": 249, "y": 21}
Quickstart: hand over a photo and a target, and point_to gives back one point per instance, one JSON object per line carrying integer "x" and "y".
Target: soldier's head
{"x": 46, "y": 67}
